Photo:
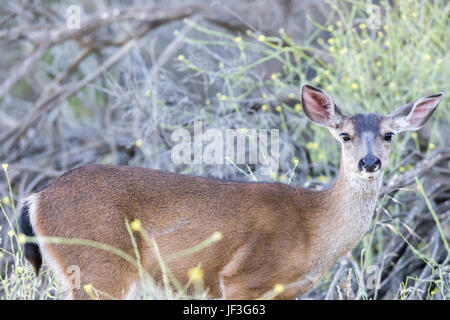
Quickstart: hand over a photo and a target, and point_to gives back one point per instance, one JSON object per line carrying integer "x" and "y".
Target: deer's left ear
{"x": 414, "y": 115}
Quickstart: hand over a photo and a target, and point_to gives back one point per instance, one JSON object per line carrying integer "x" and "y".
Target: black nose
{"x": 369, "y": 163}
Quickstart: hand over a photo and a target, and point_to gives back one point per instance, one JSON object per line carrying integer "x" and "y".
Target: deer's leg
{"x": 106, "y": 277}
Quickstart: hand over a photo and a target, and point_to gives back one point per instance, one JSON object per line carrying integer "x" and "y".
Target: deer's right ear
{"x": 320, "y": 108}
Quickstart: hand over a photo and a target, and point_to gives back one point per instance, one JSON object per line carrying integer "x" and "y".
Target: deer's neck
{"x": 348, "y": 208}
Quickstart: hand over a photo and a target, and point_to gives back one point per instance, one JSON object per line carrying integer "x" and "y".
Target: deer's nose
{"x": 369, "y": 163}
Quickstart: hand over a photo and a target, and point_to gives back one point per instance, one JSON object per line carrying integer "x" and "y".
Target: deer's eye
{"x": 388, "y": 136}
{"x": 345, "y": 137}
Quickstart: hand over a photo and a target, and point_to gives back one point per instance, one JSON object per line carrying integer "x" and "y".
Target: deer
{"x": 272, "y": 234}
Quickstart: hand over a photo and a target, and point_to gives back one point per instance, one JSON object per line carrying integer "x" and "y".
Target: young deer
{"x": 272, "y": 233}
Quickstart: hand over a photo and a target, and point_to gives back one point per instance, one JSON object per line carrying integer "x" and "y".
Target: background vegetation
{"x": 114, "y": 90}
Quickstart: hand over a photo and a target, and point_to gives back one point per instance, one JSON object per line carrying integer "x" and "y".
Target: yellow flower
{"x": 6, "y": 200}
{"x": 261, "y": 38}
{"x": 147, "y": 93}
{"x": 273, "y": 76}
{"x": 264, "y": 96}
{"x": 278, "y": 108}
{"x": 331, "y": 49}
{"x": 392, "y": 85}
{"x": 378, "y": 63}
{"x": 11, "y": 233}
{"x": 321, "y": 155}
{"x": 364, "y": 41}
{"x": 330, "y": 41}
{"x": 380, "y": 34}
{"x": 414, "y": 14}
{"x": 401, "y": 169}
{"x": 387, "y": 43}
{"x": 217, "y": 236}
{"x": 414, "y": 135}
{"x": 328, "y": 88}
{"x": 196, "y": 274}
{"x": 427, "y": 57}
{"x": 19, "y": 269}
{"x": 136, "y": 225}
{"x": 238, "y": 39}
{"x": 362, "y": 26}
{"x": 5, "y": 166}
{"x": 264, "y": 107}
{"x": 316, "y": 79}
{"x": 298, "y": 107}
{"x": 312, "y": 145}
{"x": 354, "y": 86}
{"x": 295, "y": 160}
{"x": 22, "y": 238}
{"x": 432, "y": 146}
{"x": 139, "y": 143}
{"x": 278, "y": 288}
{"x": 181, "y": 57}
{"x": 386, "y": 27}
{"x": 273, "y": 175}
{"x": 244, "y": 130}
{"x": 222, "y": 97}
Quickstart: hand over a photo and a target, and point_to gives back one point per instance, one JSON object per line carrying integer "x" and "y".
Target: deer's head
{"x": 365, "y": 138}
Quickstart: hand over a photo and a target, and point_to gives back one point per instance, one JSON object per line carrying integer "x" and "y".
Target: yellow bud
{"x": 278, "y": 288}
{"x": 136, "y": 225}
{"x": 362, "y": 26}
{"x": 216, "y": 236}
{"x": 261, "y": 38}
{"x": 11, "y": 233}
{"x": 6, "y": 200}
{"x": 264, "y": 107}
{"x": 238, "y": 39}
{"x": 5, "y": 166}
{"x": 312, "y": 145}
{"x": 295, "y": 160}
{"x": 22, "y": 238}
{"x": 273, "y": 76}
{"x": 147, "y": 93}
{"x": 181, "y": 57}
{"x": 195, "y": 274}
{"x": 432, "y": 146}
{"x": 278, "y": 108}
{"x": 298, "y": 107}
{"x": 139, "y": 143}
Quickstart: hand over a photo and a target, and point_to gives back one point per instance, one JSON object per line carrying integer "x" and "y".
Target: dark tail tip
{"x": 31, "y": 250}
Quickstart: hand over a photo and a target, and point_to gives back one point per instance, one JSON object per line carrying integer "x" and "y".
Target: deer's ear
{"x": 413, "y": 116}
{"x": 320, "y": 108}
